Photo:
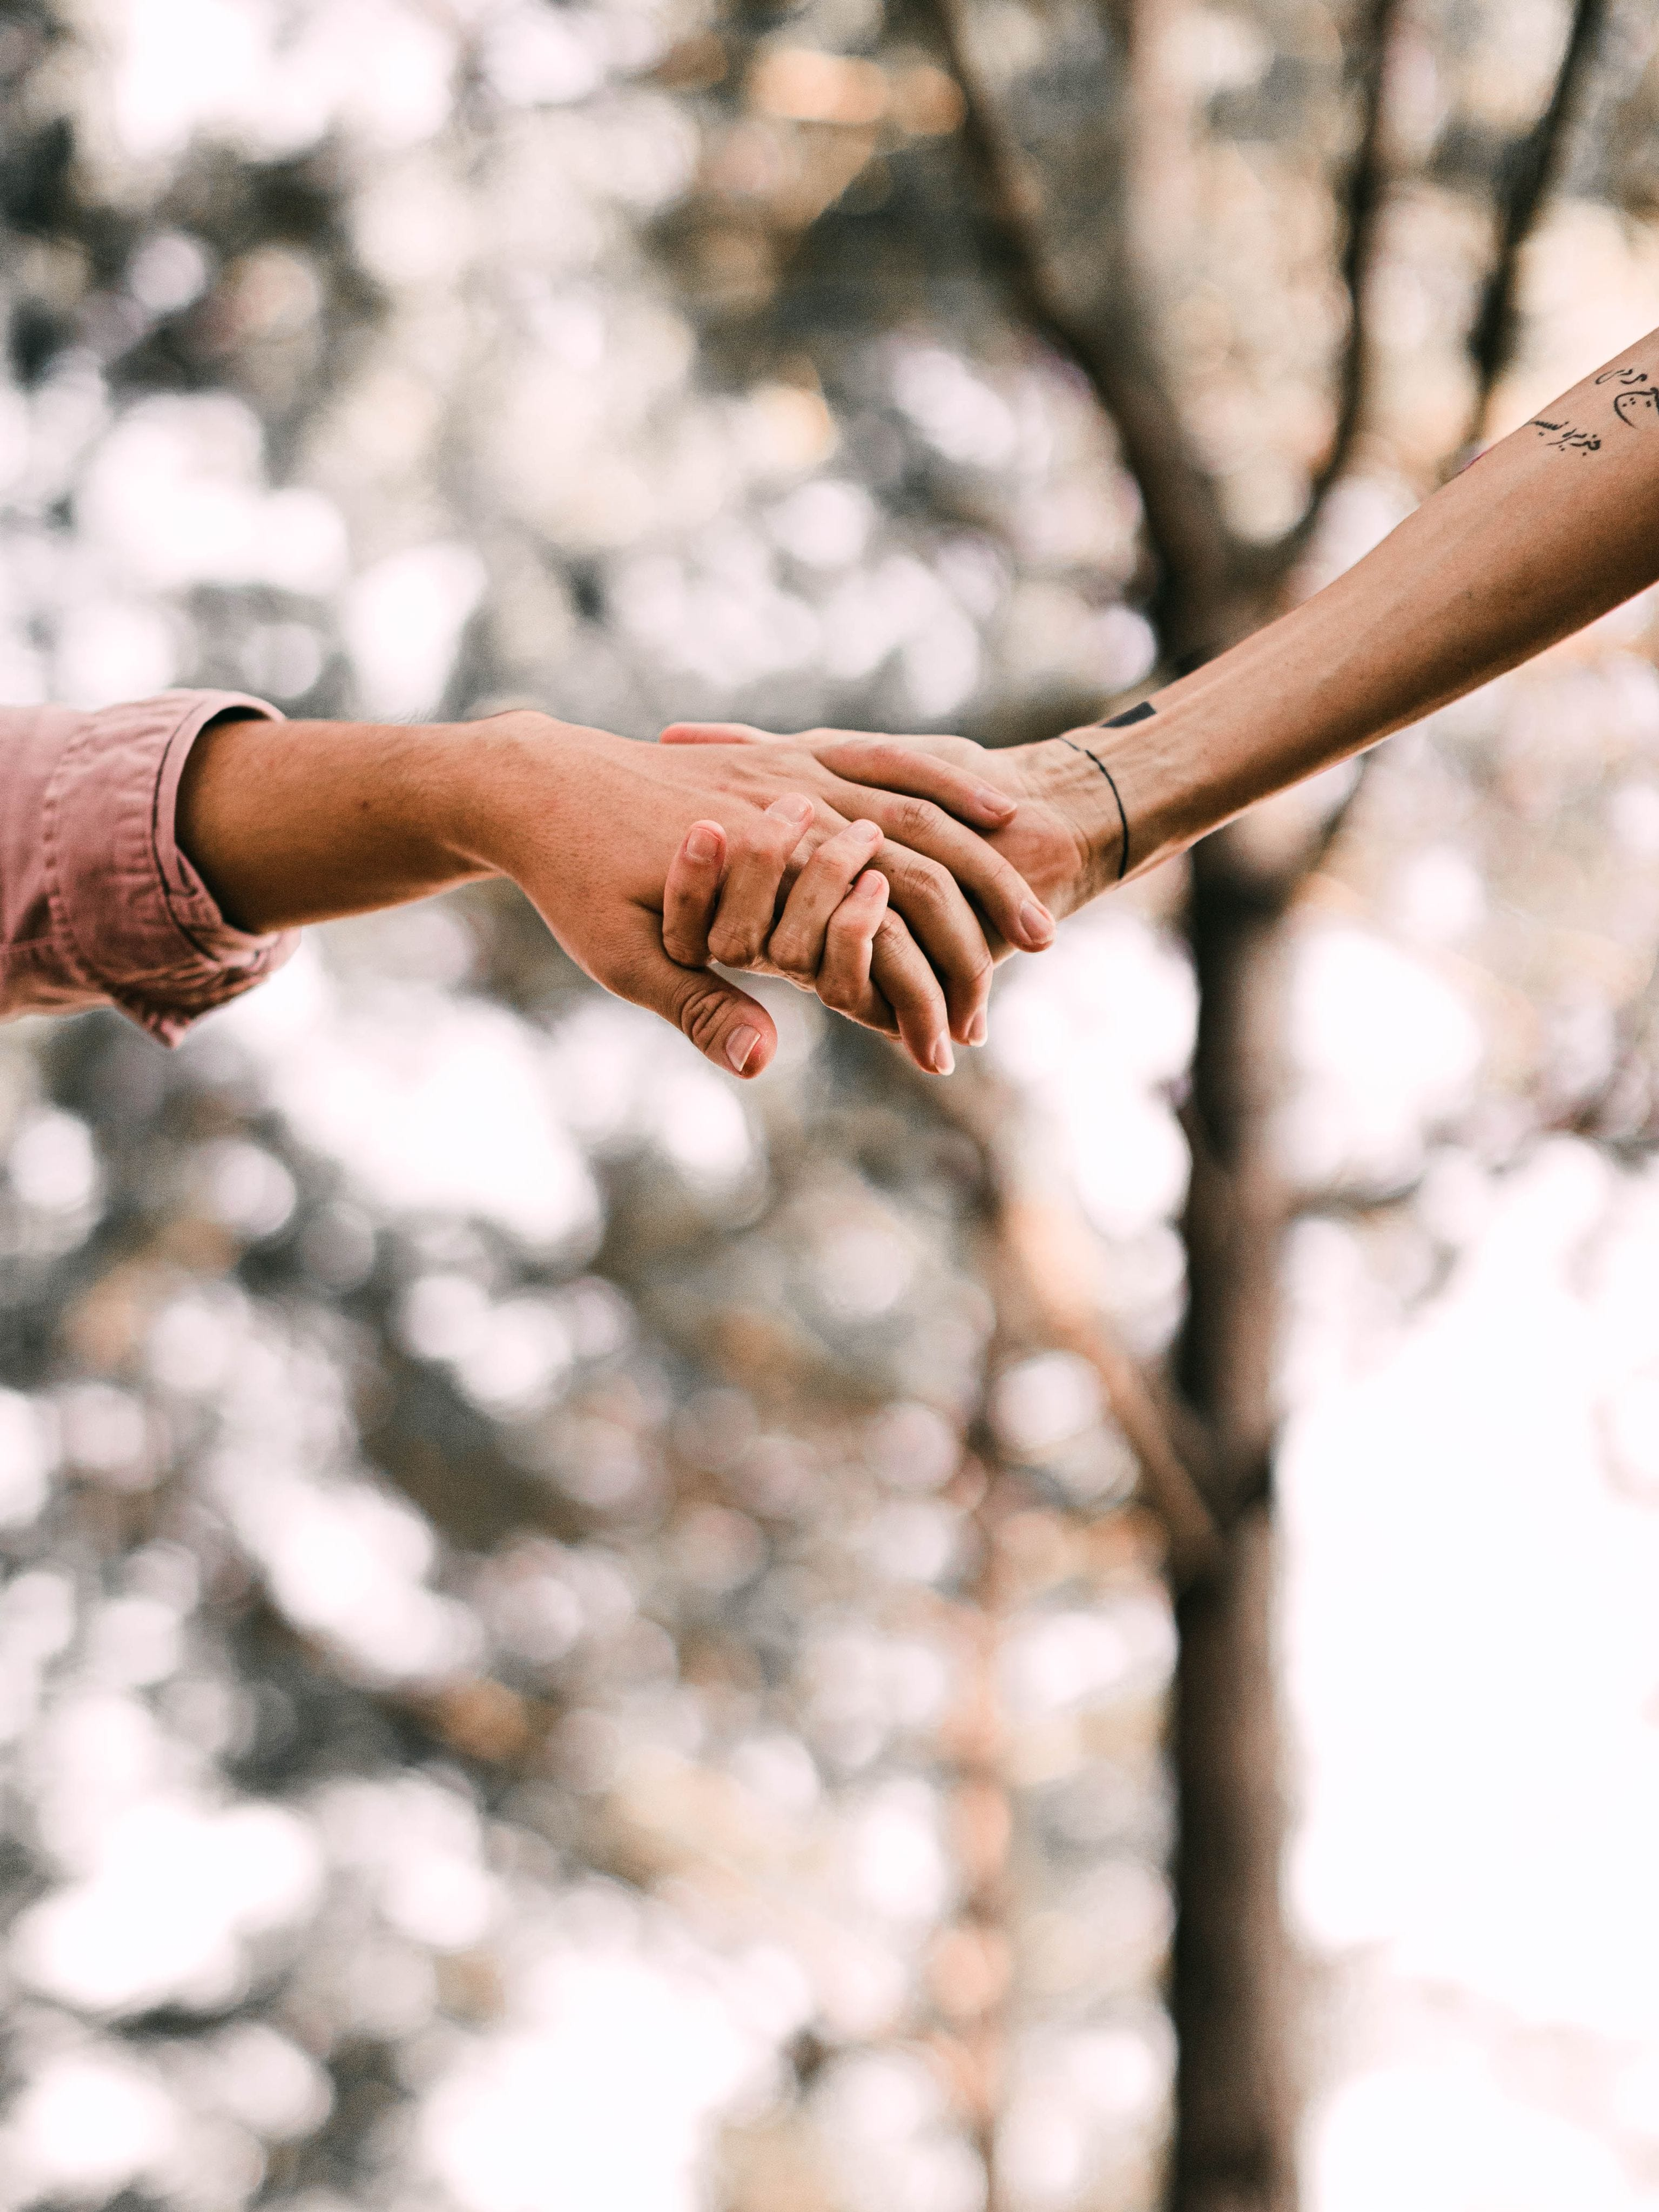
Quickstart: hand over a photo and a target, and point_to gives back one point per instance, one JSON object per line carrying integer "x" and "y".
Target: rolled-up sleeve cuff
{"x": 130, "y": 916}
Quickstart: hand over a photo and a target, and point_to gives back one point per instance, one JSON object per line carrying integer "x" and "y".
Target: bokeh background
{"x": 574, "y": 1640}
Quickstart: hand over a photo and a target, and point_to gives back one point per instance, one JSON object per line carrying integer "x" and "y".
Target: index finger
{"x": 908, "y": 766}
{"x": 1009, "y": 904}
{"x": 916, "y": 767}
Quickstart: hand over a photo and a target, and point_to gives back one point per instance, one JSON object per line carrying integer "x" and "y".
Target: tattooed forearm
{"x": 1635, "y": 404}
{"x": 1565, "y": 438}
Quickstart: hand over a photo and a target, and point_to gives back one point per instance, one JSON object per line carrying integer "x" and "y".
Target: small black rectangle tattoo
{"x": 1132, "y": 714}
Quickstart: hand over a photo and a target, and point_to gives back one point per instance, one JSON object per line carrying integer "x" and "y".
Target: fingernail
{"x": 994, "y": 802}
{"x": 979, "y": 1028}
{"x": 791, "y": 808}
{"x": 944, "y": 1059}
{"x": 740, "y": 1048}
{"x": 1036, "y": 923}
{"x": 702, "y": 844}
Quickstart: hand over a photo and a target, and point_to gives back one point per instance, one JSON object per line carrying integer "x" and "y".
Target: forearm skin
{"x": 291, "y": 823}
{"x": 1551, "y": 528}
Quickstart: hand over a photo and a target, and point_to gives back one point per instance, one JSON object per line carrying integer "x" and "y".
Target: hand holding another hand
{"x": 1059, "y": 826}
{"x": 624, "y": 849}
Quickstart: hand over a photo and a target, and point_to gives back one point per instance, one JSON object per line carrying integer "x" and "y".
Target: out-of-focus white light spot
{"x": 886, "y": 2126}
{"x": 282, "y": 661}
{"x": 915, "y": 1540}
{"x": 1447, "y": 2139}
{"x": 717, "y": 1549}
{"x": 518, "y": 1357}
{"x": 941, "y": 664}
{"x": 37, "y": 1622}
{"x": 610, "y": 2034}
{"x": 1125, "y": 647}
{"x": 1040, "y": 1402}
{"x": 244, "y": 1188}
{"x": 443, "y": 1316}
{"x": 431, "y": 1102}
{"x": 132, "y": 1642}
{"x": 1078, "y": 2101}
{"x": 168, "y": 271}
{"x": 537, "y": 1613}
{"x": 513, "y": 1355}
{"x": 52, "y": 1164}
{"x": 1385, "y": 1049}
{"x": 106, "y": 1433}
{"x": 1483, "y": 1765}
{"x": 622, "y": 1079}
{"x": 247, "y": 71}
{"x": 875, "y": 612}
{"x": 864, "y": 1270}
{"x": 826, "y": 523}
{"x": 1065, "y": 1659}
{"x": 403, "y": 621}
{"x": 703, "y": 1129}
{"x": 1439, "y": 897}
{"x": 27, "y": 1456}
{"x": 347, "y": 1562}
{"x": 779, "y": 1770}
{"x": 268, "y": 2082}
{"x": 1216, "y": 52}
{"x": 544, "y": 60}
{"x": 88, "y": 2123}
{"x": 894, "y": 1855}
{"x": 174, "y": 1892}
{"x": 191, "y": 1341}
{"x": 107, "y": 650}
{"x": 953, "y": 409}
{"x": 1092, "y": 1033}
{"x": 913, "y": 1446}
{"x": 176, "y": 494}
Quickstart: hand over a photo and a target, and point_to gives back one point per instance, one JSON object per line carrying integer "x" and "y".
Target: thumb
{"x": 715, "y": 734}
{"x": 725, "y": 1023}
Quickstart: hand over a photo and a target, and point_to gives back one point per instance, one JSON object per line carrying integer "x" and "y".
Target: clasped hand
{"x": 793, "y": 895}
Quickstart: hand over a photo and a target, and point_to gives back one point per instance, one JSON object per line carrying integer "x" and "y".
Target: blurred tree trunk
{"x": 1232, "y": 1995}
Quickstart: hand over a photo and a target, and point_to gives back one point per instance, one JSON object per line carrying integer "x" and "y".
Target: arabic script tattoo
{"x": 1635, "y": 404}
{"x": 1637, "y": 398}
{"x": 1566, "y": 438}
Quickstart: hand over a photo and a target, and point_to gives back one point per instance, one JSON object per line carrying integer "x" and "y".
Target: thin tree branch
{"x": 1186, "y": 531}
{"x": 1039, "y": 1292}
{"x": 1363, "y": 202}
{"x": 1522, "y": 193}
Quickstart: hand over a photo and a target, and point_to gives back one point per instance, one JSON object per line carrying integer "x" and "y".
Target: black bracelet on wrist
{"x": 1134, "y": 714}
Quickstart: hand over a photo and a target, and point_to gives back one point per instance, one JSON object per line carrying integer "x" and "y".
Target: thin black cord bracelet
{"x": 1123, "y": 863}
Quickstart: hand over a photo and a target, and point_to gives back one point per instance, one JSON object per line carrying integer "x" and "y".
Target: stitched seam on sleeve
{"x": 68, "y": 943}
{"x": 254, "y": 946}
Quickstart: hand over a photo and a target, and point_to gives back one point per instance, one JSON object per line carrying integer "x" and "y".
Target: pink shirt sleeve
{"x": 98, "y": 905}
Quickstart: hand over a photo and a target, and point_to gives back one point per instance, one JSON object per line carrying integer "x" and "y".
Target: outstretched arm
{"x": 1552, "y": 527}
{"x": 288, "y": 822}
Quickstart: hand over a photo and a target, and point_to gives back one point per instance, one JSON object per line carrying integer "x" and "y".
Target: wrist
{"x": 499, "y": 798}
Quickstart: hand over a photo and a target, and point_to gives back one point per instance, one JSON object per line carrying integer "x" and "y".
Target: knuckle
{"x": 701, "y": 1013}
{"x": 926, "y": 885}
{"x": 732, "y": 944}
{"x": 788, "y": 955}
